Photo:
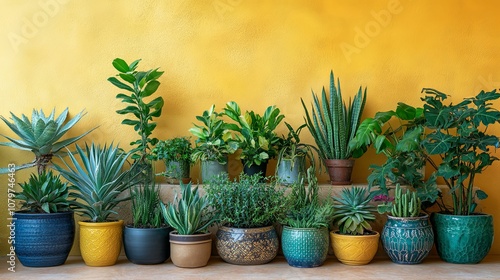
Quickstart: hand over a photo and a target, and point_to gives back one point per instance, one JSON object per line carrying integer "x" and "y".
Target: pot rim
{"x": 100, "y": 224}
{"x": 243, "y": 229}
{"x": 26, "y": 214}
{"x": 374, "y": 233}
{"x": 422, "y": 216}
{"x": 130, "y": 227}
{"x": 304, "y": 229}
{"x": 462, "y": 216}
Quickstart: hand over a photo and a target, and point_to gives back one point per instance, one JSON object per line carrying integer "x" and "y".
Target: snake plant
{"x": 333, "y": 122}
{"x": 41, "y": 135}
{"x": 98, "y": 181}
{"x": 353, "y": 211}
{"x": 146, "y": 209}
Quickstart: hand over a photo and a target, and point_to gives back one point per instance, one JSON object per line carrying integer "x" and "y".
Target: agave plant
{"x": 146, "y": 211}
{"x": 44, "y": 193}
{"x": 190, "y": 214}
{"x": 41, "y": 136}
{"x": 333, "y": 123}
{"x": 353, "y": 211}
{"x": 98, "y": 180}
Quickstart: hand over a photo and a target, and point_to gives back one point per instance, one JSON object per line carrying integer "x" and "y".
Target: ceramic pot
{"x": 146, "y": 245}
{"x": 190, "y": 250}
{"x": 177, "y": 171}
{"x": 305, "y": 247}
{"x": 340, "y": 171}
{"x": 43, "y": 239}
{"x": 463, "y": 239}
{"x": 210, "y": 169}
{"x": 100, "y": 243}
{"x": 355, "y": 249}
{"x": 287, "y": 174}
{"x": 247, "y": 246}
{"x": 407, "y": 240}
{"x": 254, "y": 169}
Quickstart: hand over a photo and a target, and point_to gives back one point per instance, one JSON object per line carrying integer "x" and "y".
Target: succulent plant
{"x": 353, "y": 211}
{"x": 146, "y": 206}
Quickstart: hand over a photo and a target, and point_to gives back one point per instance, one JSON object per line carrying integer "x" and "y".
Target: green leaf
{"x": 119, "y": 84}
{"x": 150, "y": 88}
{"x": 481, "y": 194}
{"x": 120, "y": 65}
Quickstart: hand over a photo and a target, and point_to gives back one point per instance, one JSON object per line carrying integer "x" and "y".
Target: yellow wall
{"x": 56, "y": 53}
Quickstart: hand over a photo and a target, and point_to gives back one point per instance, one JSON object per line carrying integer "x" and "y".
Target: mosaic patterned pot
{"x": 463, "y": 239}
{"x": 305, "y": 247}
{"x": 355, "y": 249}
{"x": 43, "y": 240}
{"x": 248, "y": 246}
{"x": 407, "y": 240}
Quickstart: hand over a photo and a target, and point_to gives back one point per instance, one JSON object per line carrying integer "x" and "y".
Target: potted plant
{"x": 213, "y": 144}
{"x": 255, "y": 135}
{"x": 354, "y": 243}
{"x": 458, "y": 133}
{"x": 292, "y": 156}
{"x": 407, "y": 235}
{"x": 304, "y": 239}
{"x": 246, "y": 211}
{"x": 176, "y": 154}
{"x": 190, "y": 216}
{"x": 97, "y": 181}
{"x": 44, "y": 227}
{"x": 140, "y": 85}
{"x": 145, "y": 240}
{"x": 333, "y": 123}
{"x": 41, "y": 135}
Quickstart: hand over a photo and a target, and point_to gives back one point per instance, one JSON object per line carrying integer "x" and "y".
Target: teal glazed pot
{"x": 463, "y": 239}
{"x": 305, "y": 247}
{"x": 248, "y": 246}
{"x": 407, "y": 240}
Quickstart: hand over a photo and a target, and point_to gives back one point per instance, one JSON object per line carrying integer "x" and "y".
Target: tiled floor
{"x": 380, "y": 268}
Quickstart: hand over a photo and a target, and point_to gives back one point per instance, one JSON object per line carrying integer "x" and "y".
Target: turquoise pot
{"x": 407, "y": 240}
{"x": 305, "y": 247}
{"x": 463, "y": 239}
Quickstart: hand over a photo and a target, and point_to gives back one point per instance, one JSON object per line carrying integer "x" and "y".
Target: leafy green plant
{"x": 214, "y": 140}
{"x": 41, "y": 135}
{"x": 333, "y": 122}
{"x": 404, "y": 204}
{"x": 98, "y": 181}
{"x": 44, "y": 193}
{"x": 306, "y": 211}
{"x": 140, "y": 85}
{"x": 255, "y": 134}
{"x": 191, "y": 214}
{"x": 177, "y": 149}
{"x": 458, "y": 134}
{"x": 353, "y": 211}
{"x": 146, "y": 206}
{"x": 249, "y": 203}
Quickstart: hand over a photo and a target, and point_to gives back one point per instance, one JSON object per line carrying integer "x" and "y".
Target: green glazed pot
{"x": 305, "y": 247}
{"x": 210, "y": 169}
{"x": 463, "y": 239}
{"x": 407, "y": 240}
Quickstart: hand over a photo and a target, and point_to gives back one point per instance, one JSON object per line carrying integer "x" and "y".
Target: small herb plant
{"x": 249, "y": 203}
{"x": 146, "y": 206}
{"x": 353, "y": 211}
{"x": 178, "y": 150}
{"x": 404, "y": 204}
{"x": 191, "y": 214}
{"x": 44, "y": 193}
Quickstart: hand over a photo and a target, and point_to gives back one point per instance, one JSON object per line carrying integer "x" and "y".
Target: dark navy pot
{"x": 43, "y": 240}
{"x": 254, "y": 169}
{"x": 146, "y": 245}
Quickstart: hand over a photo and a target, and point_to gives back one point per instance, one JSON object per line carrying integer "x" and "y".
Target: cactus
{"x": 406, "y": 204}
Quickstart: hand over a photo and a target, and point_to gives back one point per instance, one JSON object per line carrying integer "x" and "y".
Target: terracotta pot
{"x": 100, "y": 243}
{"x": 355, "y": 249}
{"x": 190, "y": 250}
{"x": 340, "y": 171}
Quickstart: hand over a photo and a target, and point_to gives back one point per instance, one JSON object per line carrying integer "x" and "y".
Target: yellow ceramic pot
{"x": 354, "y": 249}
{"x": 100, "y": 243}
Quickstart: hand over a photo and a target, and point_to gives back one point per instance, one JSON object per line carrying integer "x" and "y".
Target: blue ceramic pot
{"x": 43, "y": 239}
{"x": 407, "y": 240}
{"x": 305, "y": 247}
{"x": 463, "y": 239}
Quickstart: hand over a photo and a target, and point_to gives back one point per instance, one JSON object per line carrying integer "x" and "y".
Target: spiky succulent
{"x": 41, "y": 135}
{"x": 146, "y": 209}
{"x": 190, "y": 214}
{"x": 98, "y": 180}
{"x": 353, "y": 211}
{"x": 44, "y": 193}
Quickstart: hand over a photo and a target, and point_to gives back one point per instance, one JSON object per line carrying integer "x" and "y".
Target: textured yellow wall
{"x": 56, "y": 53}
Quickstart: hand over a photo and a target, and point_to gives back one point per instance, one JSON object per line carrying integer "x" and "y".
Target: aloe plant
{"x": 98, "y": 181}
{"x": 404, "y": 204}
{"x": 353, "y": 211}
{"x": 190, "y": 214}
{"x": 146, "y": 209}
{"x": 44, "y": 193}
{"x": 42, "y": 136}
{"x": 333, "y": 122}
